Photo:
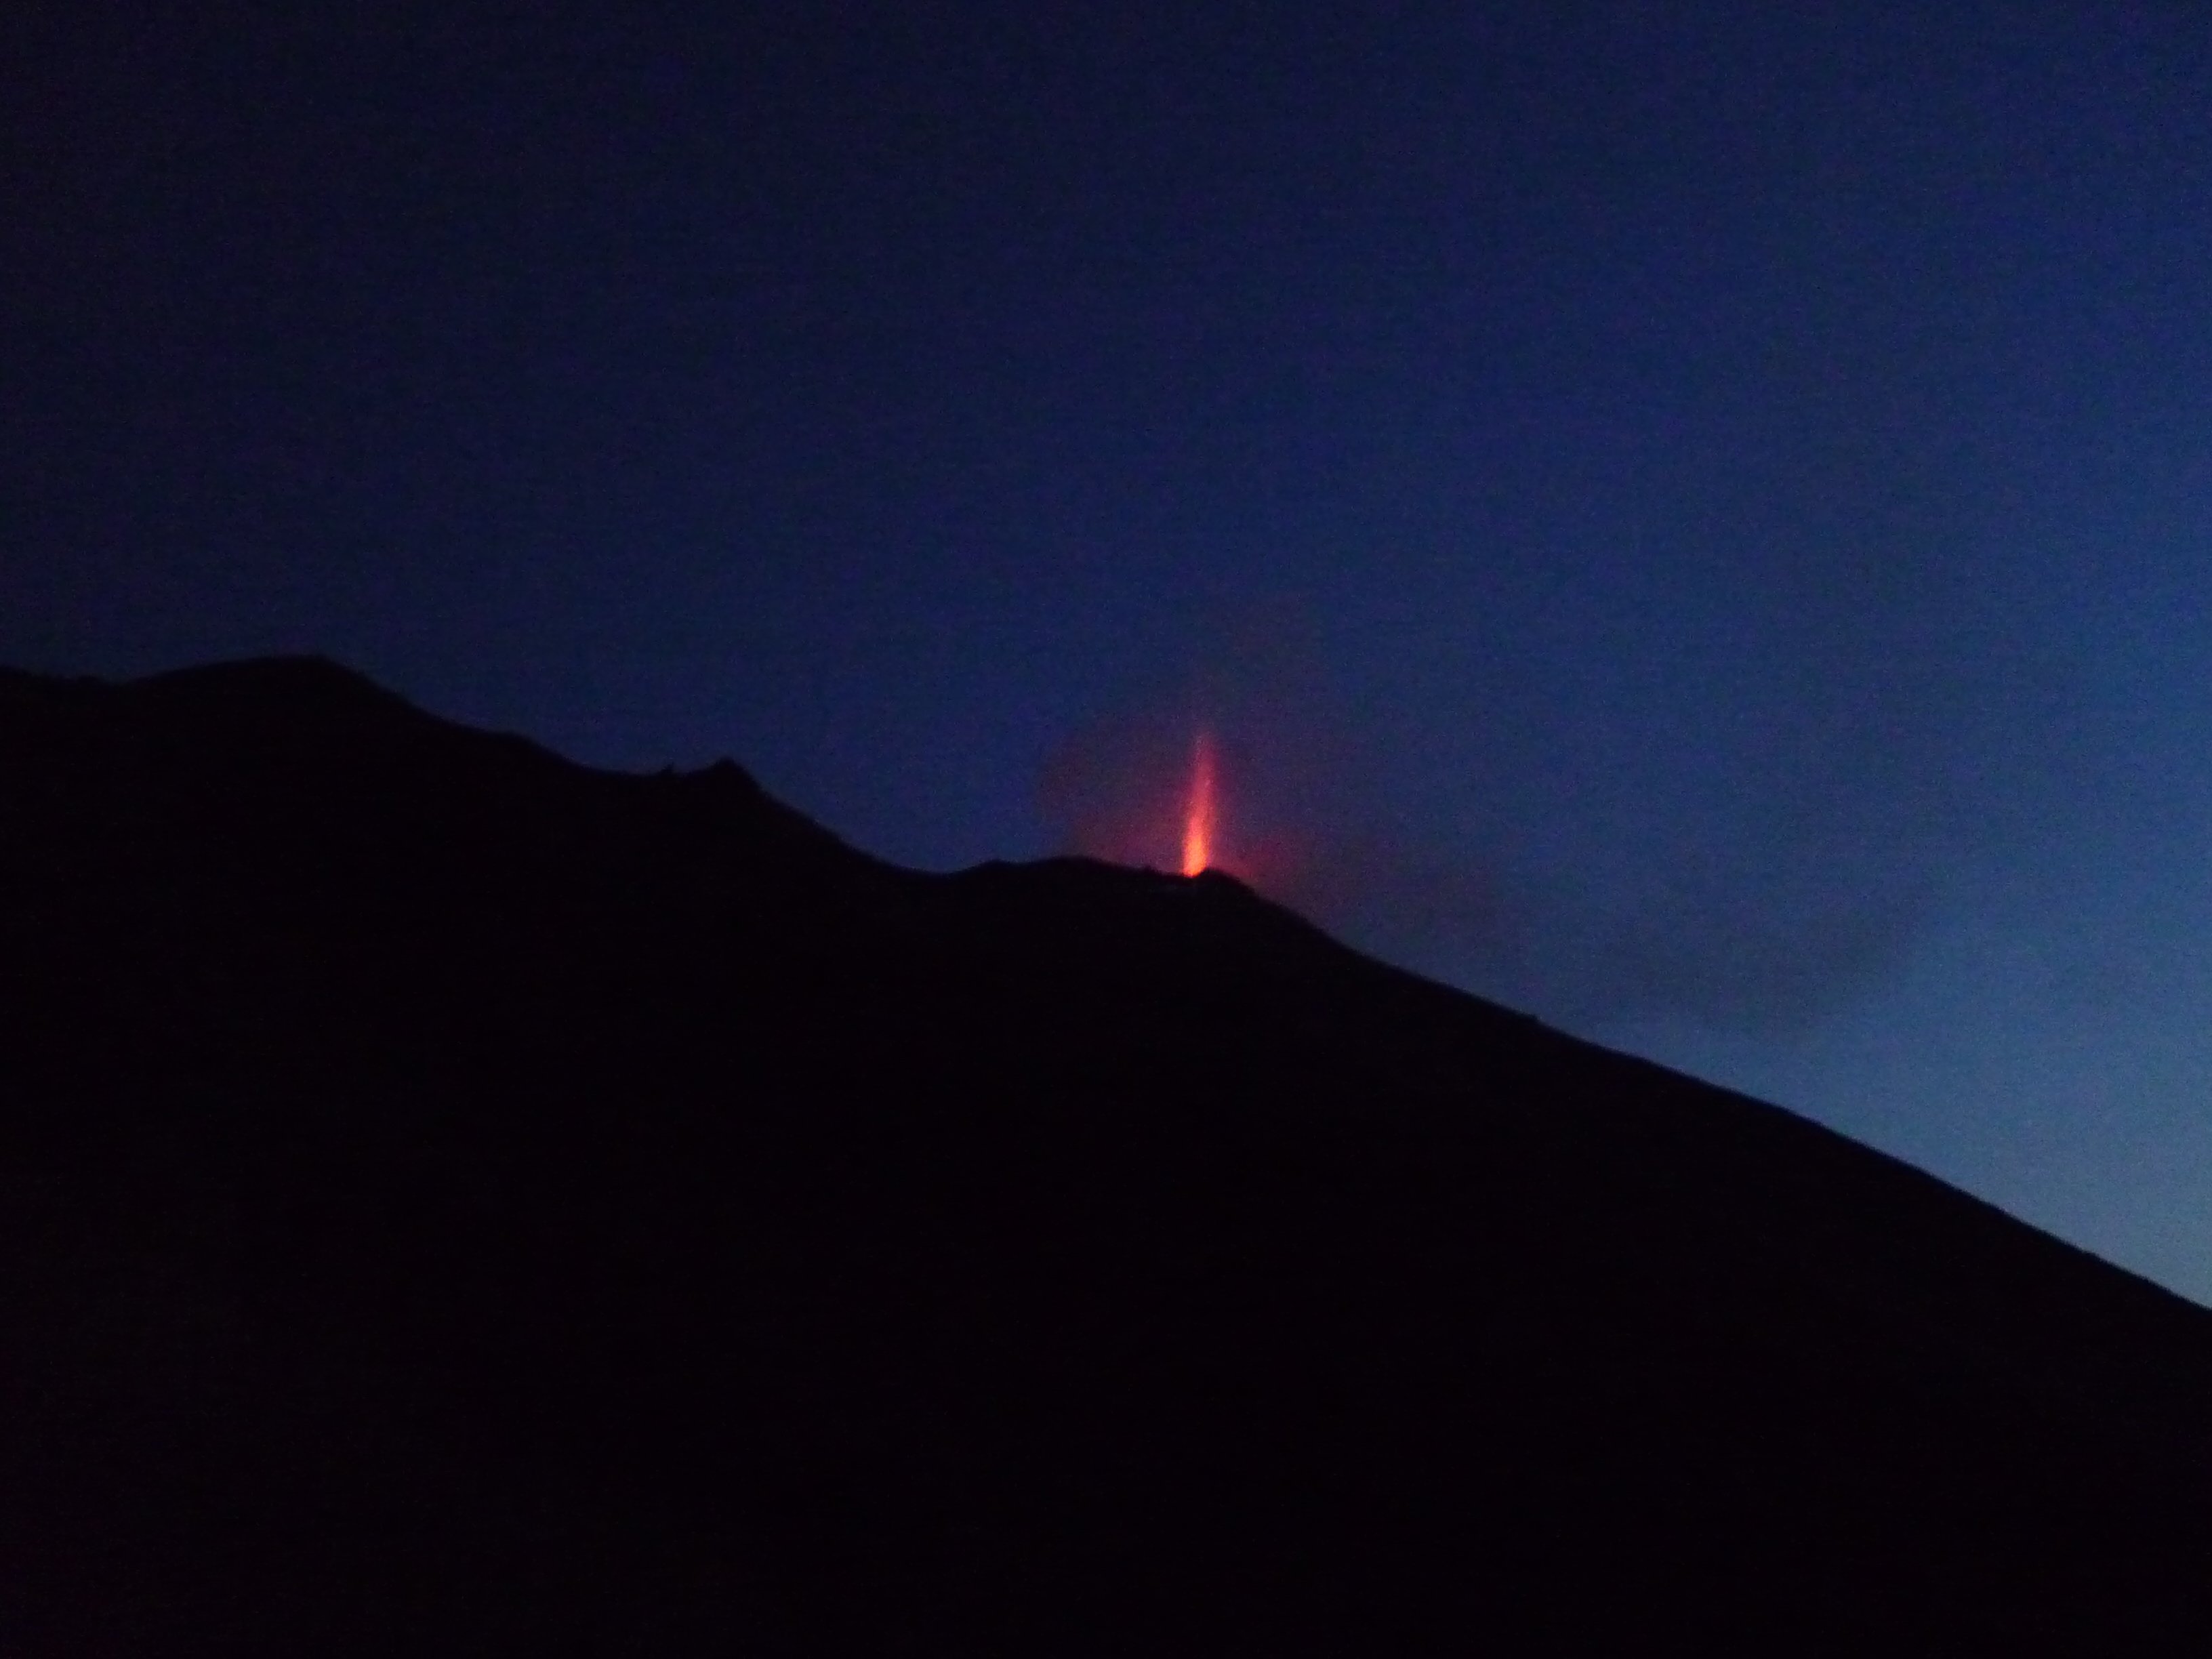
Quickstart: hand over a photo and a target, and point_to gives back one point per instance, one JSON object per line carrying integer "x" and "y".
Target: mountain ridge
{"x": 464, "y": 1201}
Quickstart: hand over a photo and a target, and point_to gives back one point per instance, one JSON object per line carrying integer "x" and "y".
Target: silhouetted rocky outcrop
{"x": 453, "y": 1201}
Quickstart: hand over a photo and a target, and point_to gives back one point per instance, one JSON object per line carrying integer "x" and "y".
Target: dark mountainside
{"x": 458, "y": 1202}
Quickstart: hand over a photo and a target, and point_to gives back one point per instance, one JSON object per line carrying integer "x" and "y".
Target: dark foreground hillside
{"x": 456, "y": 1202}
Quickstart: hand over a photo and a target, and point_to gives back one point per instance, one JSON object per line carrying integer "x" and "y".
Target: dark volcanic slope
{"x": 455, "y": 1202}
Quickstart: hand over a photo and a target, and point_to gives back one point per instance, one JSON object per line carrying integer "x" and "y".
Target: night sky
{"x": 1689, "y": 519}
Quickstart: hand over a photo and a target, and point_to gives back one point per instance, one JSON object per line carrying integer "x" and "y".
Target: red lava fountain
{"x": 1199, "y": 813}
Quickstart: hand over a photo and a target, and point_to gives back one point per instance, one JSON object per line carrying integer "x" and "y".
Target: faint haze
{"x": 1747, "y": 835}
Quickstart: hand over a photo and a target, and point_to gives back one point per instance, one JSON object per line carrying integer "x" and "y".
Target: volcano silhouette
{"x": 455, "y": 1201}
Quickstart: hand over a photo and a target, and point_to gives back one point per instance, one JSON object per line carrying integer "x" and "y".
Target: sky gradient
{"x": 1689, "y": 519}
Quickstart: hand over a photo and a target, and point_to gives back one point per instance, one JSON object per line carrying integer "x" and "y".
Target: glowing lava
{"x": 1198, "y": 816}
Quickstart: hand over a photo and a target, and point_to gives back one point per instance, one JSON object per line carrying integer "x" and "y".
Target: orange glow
{"x": 1198, "y": 817}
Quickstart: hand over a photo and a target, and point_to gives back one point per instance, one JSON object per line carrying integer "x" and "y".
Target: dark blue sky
{"x": 1691, "y": 519}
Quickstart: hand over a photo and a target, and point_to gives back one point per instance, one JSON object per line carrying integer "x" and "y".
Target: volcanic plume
{"x": 1199, "y": 814}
